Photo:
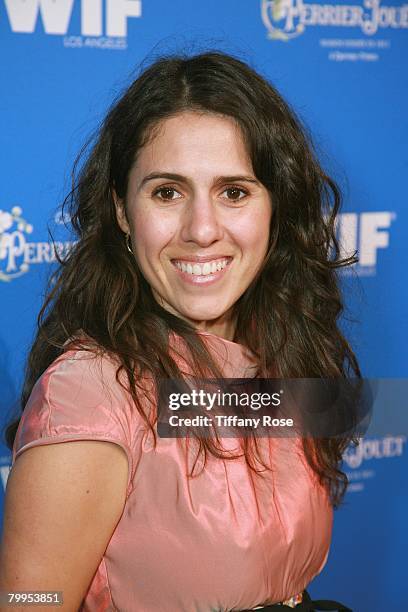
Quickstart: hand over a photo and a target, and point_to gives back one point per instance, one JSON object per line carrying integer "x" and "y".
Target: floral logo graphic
{"x": 279, "y": 17}
{"x": 13, "y": 228}
{"x": 17, "y": 253}
{"x": 286, "y": 19}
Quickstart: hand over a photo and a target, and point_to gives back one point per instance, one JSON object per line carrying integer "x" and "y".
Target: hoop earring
{"x": 127, "y": 240}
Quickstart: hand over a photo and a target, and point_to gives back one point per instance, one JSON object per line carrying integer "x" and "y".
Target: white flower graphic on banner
{"x": 17, "y": 253}
{"x": 6, "y": 221}
{"x": 12, "y": 243}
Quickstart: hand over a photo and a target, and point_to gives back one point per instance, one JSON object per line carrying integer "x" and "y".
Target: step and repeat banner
{"x": 343, "y": 68}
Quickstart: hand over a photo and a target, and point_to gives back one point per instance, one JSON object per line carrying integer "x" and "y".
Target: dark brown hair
{"x": 295, "y": 298}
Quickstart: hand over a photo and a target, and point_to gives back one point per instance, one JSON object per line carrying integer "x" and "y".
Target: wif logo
{"x": 101, "y": 19}
{"x": 286, "y": 19}
{"x": 365, "y": 233}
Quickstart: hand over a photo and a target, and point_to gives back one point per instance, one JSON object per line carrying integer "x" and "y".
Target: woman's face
{"x": 198, "y": 218}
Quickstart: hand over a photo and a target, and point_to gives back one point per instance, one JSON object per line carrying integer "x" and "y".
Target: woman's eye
{"x": 166, "y": 193}
{"x": 234, "y": 193}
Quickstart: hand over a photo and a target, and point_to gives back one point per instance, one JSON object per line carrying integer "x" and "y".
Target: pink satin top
{"x": 223, "y": 540}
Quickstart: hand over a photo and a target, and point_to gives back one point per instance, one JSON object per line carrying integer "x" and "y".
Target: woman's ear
{"x": 120, "y": 212}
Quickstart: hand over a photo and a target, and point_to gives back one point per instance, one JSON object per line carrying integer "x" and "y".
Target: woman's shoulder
{"x": 80, "y": 395}
{"x": 85, "y": 367}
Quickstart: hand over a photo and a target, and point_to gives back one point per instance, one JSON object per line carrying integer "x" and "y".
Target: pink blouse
{"x": 224, "y": 540}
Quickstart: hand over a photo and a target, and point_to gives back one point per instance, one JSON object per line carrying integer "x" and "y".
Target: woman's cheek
{"x": 153, "y": 233}
{"x": 252, "y": 234}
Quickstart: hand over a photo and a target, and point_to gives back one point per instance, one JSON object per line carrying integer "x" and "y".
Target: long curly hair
{"x": 295, "y": 298}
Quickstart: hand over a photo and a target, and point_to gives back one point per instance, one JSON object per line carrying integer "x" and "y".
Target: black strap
{"x": 319, "y": 604}
{"x": 308, "y": 605}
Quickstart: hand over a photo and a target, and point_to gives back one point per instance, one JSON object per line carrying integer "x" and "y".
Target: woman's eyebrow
{"x": 183, "y": 179}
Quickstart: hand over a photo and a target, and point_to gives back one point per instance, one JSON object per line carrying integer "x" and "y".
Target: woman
{"x": 205, "y": 247}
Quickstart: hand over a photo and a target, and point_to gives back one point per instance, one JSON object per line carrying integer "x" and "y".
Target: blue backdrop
{"x": 343, "y": 69}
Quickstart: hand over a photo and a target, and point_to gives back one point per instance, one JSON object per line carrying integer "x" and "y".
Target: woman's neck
{"x": 222, "y": 328}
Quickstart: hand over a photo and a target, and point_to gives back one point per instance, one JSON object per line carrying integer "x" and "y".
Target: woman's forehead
{"x": 194, "y": 142}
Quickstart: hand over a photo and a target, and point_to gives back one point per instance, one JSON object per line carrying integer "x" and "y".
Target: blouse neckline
{"x": 233, "y": 350}
{"x": 220, "y": 338}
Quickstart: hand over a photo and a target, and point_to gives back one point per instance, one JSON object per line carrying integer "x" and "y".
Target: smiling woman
{"x": 200, "y": 234}
{"x": 205, "y": 249}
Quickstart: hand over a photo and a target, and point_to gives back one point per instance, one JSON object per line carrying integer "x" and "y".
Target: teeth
{"x": 202, "y": 269}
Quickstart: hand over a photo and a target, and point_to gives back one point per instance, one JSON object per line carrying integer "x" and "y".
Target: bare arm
{"x": 63, "y": 502}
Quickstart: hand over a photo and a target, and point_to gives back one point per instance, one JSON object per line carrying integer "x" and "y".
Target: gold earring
{"x": 127, "y": 240}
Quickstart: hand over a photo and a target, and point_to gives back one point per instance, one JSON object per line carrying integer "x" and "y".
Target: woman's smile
{"x": 203, "y": 270}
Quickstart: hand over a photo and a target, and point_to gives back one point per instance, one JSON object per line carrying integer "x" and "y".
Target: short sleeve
{"x": 77, "y": 398}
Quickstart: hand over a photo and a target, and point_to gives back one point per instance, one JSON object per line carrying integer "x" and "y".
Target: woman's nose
{"x": 201, "y": 222}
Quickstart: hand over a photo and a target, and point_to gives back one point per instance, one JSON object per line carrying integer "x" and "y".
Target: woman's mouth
{"x": 201, "y": 272}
